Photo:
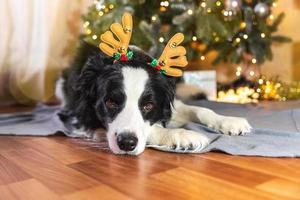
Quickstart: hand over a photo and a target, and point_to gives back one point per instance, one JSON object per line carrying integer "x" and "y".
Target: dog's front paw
{"x": 182, "y": 139}
{"x": 232, "y": 125}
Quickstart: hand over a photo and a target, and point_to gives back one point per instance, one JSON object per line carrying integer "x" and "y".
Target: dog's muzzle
{"x": 127, "y": 141}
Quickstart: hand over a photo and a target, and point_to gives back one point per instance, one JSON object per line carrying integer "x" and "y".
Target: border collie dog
{"x": 134, "y": 103}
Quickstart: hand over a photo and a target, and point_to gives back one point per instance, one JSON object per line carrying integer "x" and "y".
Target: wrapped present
{"x": 205, "y": 80}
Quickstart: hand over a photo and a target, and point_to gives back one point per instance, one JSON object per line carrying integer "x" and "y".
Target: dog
{"x": 134, "y": 104}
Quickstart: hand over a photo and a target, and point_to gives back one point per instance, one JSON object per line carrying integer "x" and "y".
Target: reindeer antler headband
{"x": 173, "y": 54}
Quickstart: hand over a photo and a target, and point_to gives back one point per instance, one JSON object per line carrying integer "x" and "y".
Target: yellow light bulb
{"x": 190, "y": 11}
{"x": 94, "y": 37}
{"x": 203, "y": 4}
{"x": 243, "y": 25}
{"x": 194, "y": 38}
{"x": 161, "y": 39}
{"x": 202, "y": 58}
{"x": 88, "y": 31}
{"x": 86, "y": 24}
{"x": 111, "y": 6}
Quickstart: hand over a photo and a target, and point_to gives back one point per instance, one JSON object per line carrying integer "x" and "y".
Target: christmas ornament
{"x": 233, "y": 5}
{"x": 262, "y": 9}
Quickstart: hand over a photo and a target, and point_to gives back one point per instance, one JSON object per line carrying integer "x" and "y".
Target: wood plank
{"x": 277, "y": 167}
{"x": 102, "y": 192}
{"x": 281, "y": 187}
{"x": 10, "y": 172}
{"x": 48, "y": 171}
{"x": 8, "y": 143}
{"x": 194, "y": 185}
{"x": 60, "y": 152}
{"x": 212, "y": 168}
{"x": 27, "y": 190}
{"x": 126, "y": 174}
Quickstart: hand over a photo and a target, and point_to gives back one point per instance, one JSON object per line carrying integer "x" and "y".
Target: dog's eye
{"x": 148, "y": 107}
{"x": 111, "y": 104}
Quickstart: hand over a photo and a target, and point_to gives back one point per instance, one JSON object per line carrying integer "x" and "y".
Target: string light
{"x": 190, "y": 11}
{"x": 254, "y": 61}
{"x": 194, "y": 38}
{"x": 208, "y": 10}
{"x": 271, "y": 17}
{"x": 234, "y": 4}
{"x": 225, "y": 13}
{"x": 111, "y": 6}
{"x": 163, "y": 9}
{"x": 274, "y": 4}
{"x": 101, "y": 13}
{"x": 161, "y": 39}
{"x": 94, "y": 37}
{"x": 153, "y": 18}
{"x": 202, "y": 58}
{"x": 203, "y": 4}
{"x": 88, "y": 31}
{"x": 245, "y": 36}
{"x": 238, "y": 40}
{"x": 237, "y": 73}
{"x": 265, "y": 90}
{"x": 164, "y": 3}
{"x": 251, "y": 73}
{"x": 262, "y": 35}
{"x": 240, "y": 95}
{"x": 218, "y": 3}
{"x": 98, "y": 6}
{"x": 86, "y": 24}
{"x": 243, "y": 25}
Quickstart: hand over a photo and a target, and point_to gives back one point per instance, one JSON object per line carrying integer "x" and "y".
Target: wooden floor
{"x": 72, "y": 169}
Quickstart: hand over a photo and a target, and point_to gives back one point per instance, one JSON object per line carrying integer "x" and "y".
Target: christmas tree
{"x": 241, "y": 31}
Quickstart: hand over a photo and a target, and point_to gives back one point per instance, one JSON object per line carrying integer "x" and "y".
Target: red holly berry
{"x": 158, "y": 67}
{"x": 123, "y": 57}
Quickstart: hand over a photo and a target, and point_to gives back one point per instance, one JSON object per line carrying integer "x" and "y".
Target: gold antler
{"x": 173, "y": 55}
{"x": 109, "y": 44}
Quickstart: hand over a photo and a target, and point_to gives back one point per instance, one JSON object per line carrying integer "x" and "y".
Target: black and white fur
{"x": 134, "y": 103}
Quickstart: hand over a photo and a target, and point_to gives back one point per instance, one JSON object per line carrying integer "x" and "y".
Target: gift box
{"x": 205, "y": 80}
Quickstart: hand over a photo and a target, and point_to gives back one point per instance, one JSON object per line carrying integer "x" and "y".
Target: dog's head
{"x": 126, "y": 90}
{"x": 125, "y": 97}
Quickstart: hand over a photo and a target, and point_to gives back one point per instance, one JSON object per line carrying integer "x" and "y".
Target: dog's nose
{"x": 127, "y": 141}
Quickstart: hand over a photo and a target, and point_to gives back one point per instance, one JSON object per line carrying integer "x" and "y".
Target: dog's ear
{"x": 87, "y": 86}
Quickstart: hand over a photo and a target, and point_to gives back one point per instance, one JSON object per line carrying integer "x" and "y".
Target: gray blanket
{"x": 276, "y": 133}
